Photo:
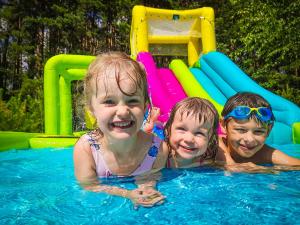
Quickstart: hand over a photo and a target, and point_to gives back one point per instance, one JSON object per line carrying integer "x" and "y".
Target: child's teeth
{"x": 122, "y": 124}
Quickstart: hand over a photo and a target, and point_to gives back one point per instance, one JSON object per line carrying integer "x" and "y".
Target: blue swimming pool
{"x": 38, "y": 187}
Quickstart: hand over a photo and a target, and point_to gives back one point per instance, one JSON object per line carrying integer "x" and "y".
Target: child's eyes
{"x": 108, "y": 102}
{"x": 133, "y": 101}
{"x": 180, "y": 128}
{"x": 200, "y": 134}
{"x": 112, "y": 102}
{"x": 259, "y": 132}
{"x": 240, "y": 130}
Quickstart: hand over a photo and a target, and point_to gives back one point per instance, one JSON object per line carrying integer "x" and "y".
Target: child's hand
{"x": 152, "y": 118}
{"x": 146, "y": 197}
{"x": 249, "y": 167}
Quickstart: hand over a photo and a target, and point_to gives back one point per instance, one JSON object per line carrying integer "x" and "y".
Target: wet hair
{"x": 249, "y": 99}
{"x": 200, "y": 109}
{"x": 117, "y": 64}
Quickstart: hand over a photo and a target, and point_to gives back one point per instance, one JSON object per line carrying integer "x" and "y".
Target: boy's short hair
{"x": 249, "y": 99}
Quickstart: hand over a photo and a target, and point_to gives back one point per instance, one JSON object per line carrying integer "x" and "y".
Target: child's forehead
{"x": 183, "y": 113}
{"x": 247, "y": 122}
{"x": 110, "y": 81}
{"x": 184, "y": 116}
{"x": 112, "y": 75}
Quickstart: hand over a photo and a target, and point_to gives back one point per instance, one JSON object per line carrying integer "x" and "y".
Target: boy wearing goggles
{"x": 247, "y": 121}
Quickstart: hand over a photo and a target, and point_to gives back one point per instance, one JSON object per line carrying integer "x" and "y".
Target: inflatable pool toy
{"x": 188, "y": 34}
{"x": 164, "y": 89}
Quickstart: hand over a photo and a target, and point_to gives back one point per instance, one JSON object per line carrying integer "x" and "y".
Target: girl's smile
{"x": 122, "y": 124}
{"x": 187, "y": 148}
{"x": 189, "y": 137}
{"x": 118, "y": 115}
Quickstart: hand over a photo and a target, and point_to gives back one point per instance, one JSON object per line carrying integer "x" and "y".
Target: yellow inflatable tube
{"x": 200, "y": 37}
{"x": 189, "y": 83}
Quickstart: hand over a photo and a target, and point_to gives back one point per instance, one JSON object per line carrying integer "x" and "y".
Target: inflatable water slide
{"x": 207, "y": 73}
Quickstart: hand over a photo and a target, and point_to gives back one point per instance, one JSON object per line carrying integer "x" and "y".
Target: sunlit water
{"x": 38, "y": 187}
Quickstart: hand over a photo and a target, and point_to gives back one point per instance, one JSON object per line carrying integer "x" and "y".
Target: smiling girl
{"x": 191, "y": 133}
{"x": 116, "y": 94}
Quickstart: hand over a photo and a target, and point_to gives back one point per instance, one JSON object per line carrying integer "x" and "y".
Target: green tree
{"x": 261, "y": 37}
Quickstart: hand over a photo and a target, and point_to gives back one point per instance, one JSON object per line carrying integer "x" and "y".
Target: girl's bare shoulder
{"x": 82, "y": 145}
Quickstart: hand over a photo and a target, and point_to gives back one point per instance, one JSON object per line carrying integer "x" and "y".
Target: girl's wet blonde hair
{"x": 204, "y": 111}
{"x": 117, "y": 64}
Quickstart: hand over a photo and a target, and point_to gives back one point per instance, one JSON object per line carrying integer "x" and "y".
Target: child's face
{"x": 118, "y": 116}
{"x": 189, "y": 138}
{"x": 245, "y": 137}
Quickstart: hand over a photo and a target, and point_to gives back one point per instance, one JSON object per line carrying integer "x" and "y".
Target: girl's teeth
{"x": 121, "y": 124}
{"x": 188, "y": 148}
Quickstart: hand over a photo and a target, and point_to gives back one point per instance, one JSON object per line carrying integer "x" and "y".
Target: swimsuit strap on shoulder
{"x": 153, "y": 151}
{"x": 150, "y": 157}
{"x": 93, "y": 143}
{"x": 102, "y": 169}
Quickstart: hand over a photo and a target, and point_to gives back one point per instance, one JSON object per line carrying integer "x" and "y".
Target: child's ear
{"x": 222, "y": 125}
{"x": 270, "y": 126}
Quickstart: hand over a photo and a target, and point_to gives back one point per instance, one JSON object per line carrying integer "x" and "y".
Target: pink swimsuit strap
{"x": 150, "y": 158}
{"x": 102, "y": 168}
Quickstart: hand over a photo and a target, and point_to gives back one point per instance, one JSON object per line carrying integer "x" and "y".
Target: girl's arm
{"x": 139, "y": 197}
{"x": 147, "y": 182}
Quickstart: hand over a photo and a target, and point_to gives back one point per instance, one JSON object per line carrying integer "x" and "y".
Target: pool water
{"x": 38, "y": 187}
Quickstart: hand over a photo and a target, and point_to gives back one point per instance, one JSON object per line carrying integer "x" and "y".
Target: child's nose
{"x": 122, "y": 110}
{"x": 188, "y": 137}
{"x": 249, "y": 137}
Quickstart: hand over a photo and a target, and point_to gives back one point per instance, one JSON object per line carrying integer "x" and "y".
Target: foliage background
{"x": 261, "y": 36}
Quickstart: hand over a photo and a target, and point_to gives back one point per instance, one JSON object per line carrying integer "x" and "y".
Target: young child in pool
{"x": 191, "y": 133}
{"x": 247, "y": 121}
{"x": 116, "y": 95}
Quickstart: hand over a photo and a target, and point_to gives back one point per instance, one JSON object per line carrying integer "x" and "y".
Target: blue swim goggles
{"x": 264, "y": 114}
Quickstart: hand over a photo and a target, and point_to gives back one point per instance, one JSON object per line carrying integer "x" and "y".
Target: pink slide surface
{"x": 163, "y": 87}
